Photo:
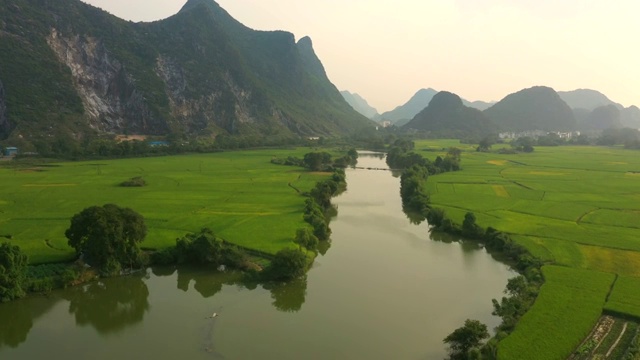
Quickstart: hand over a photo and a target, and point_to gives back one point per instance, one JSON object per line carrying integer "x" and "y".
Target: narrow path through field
{"x": 615, "y": 344}
{"x": 579, "y": 220}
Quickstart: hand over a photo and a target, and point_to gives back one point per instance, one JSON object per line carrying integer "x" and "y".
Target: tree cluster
{"x": 401, "y": 156}
{"x": 13, "y": 263}
{"x": 107, "y": 237}
{"x": 288, "y": 264}
{"x": 317, "y": 161}
{"x": 306, "y": 239}
{"x": 205, "y": 248}
{"x": 464, "y": 342}
{"x": 412, "y": 189}
{"x": 319, "y": 202}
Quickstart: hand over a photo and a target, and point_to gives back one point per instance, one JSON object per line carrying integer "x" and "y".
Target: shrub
{"x": 137, "y": 181}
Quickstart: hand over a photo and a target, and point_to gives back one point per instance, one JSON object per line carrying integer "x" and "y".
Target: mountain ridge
{"x": 199, "y": 72}
{"x": 359, "y": 104}
{"x": 535, "y": 108}
{"x": 446, "y": 115}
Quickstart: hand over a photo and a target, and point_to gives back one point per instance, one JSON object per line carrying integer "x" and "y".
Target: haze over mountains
{"x": 447, "y": 116}
{"x": 402, "y": 114}
{"x": 584, "y": 103}
{"x": 536, "y": 108}
{"x": 69, "y": 68}
{"x": 359, "y": 104}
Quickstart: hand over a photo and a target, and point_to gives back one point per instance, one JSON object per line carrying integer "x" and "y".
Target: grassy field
{"x": 577, "y": 207}
{"x": 569, "y": 305}
{"x": 240, "y": 195}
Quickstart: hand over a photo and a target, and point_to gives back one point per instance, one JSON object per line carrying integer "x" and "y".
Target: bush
{"x": 13, "y": 263}
{"x": 204, "y": 248}
{"x": 288, "y": 264}
{"x": 137, "y": 181}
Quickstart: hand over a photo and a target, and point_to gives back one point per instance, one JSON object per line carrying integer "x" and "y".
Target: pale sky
{"x": 386, "y": 50}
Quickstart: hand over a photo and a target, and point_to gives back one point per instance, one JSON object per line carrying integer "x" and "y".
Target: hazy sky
{"x": 386, "y": 50}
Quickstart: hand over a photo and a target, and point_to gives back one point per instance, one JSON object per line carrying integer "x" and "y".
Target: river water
{"x": 384, "y": 290}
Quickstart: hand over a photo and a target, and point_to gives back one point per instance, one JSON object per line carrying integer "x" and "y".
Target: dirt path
{"x": 615, "y": 344}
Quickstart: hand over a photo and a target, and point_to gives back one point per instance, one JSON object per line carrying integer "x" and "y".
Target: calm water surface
{"x": 384, "y": 290}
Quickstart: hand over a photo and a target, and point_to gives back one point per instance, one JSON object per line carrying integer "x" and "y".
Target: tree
{"x": 317, "y": 161}
{"x": 107, "y": 237}
{"x": 306, "y": 239}
{"x": 485, "y": 144}
{"x": 201, "y": 248}
{"x": 13, "y": 264}
{"x": 469, "y": 226}
{"x": 465, "y": 339}
{"x": 288, "y": 264}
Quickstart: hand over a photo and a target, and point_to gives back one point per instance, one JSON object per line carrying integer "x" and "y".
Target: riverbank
{"x": 571, "y": 207}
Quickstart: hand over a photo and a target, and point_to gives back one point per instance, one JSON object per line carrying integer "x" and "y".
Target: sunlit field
{"x": 240, "y": 195}
{"x": 577, "y": 207}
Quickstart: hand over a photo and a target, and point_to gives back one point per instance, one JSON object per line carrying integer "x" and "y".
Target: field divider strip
{"x": 615, "y": 344}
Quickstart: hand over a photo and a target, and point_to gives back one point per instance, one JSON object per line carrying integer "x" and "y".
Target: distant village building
{"x": 314, "y": 138}
{"x": 534, "y": 134}
{"x": 11, "y": 151}
{"x": 158, "y": 143}
{"x": 386, "y": 123}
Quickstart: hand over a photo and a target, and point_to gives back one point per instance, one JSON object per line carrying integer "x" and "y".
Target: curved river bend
{"x": 384, "y": 290}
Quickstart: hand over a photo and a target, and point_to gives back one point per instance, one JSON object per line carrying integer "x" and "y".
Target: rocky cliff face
{"x": 109, "y": 95}
{"x": 5, "y": 126}
{"x": 199, "y": 73}
{"x": 208, "y": 110}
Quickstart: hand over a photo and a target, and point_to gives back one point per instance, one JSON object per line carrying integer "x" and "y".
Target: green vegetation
{"x": 205, "y": 248}
{"x": 107, "y": 237}
{"x": 625, "y": 297}
{"x": 612, "y": 338}
{"x": 237, "y": 195}
{"x": 466, "y": 340}
{"x": 137, "y": 181}
{"x": 571, "y": 206}
{"x": 288, "y": 264}
{"x": 290, "y": 92}
{"x": 568, "y": 296}
{"x": 13, "y": 264}
{"x": 306, "y": 239}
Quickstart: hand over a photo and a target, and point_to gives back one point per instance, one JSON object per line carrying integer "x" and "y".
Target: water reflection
{"x": 415, "y": 218}
{"x": 16, "y": 324}
{"x": 288, "y": 297}
{"x": 109, "y": 305}
{"x": 17, "y": 318}
{"x": 323, "y": 247}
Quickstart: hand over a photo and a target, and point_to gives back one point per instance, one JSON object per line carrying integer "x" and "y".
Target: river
{"x": 384, "y": 290}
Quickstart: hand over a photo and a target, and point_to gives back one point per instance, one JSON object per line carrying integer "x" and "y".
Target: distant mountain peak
{"x": 448, "y": 99}
{"x": 586, "y": 99}
{"x": 446, "y": 115}
{"x": 359, "y": 104}
{"x": 305, "y": 41}
{"x": 535, "y": 108}
{"x": 194, "y": 3}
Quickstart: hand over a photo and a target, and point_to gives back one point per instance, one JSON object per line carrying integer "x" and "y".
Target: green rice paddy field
{"x": 240, "y": 195}
{"x": 576, "y": 208}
